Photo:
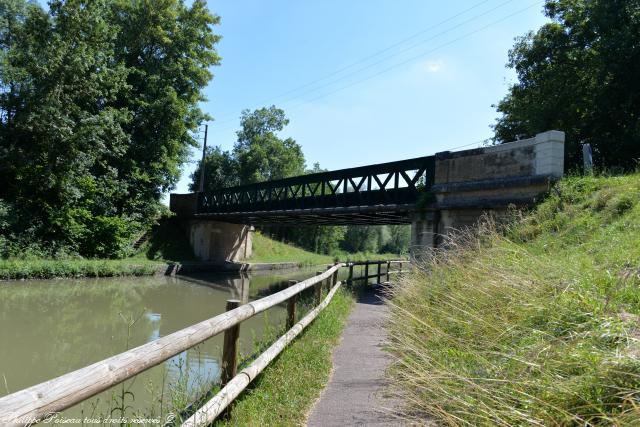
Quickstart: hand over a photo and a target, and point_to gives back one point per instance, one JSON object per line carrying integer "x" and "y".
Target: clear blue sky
{"x": 431, "y": 90}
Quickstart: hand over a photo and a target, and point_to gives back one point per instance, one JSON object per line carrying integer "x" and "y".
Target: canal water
{"x": 51, "y": 327}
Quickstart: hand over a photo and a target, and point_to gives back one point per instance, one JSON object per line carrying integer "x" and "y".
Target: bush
{"x": 110, "y": 237}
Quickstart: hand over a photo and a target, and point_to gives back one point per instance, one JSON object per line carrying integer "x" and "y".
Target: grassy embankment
{"x": 165, "y": 246}
{"x": 268, "y": 250}
{"x": 538, "y": 324}
{"x": 17, "y": 269}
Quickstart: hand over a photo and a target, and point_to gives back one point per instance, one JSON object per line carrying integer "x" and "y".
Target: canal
{"x": 51, "y": 327}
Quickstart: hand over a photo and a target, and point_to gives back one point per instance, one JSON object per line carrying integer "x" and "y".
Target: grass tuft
{"x": 534, "y": 323}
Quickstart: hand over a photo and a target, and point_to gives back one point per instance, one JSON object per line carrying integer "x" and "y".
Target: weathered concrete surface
{"x": 220, "y": 241}
{"x": 470, "y": 183}
{"x": 355, "y": 395}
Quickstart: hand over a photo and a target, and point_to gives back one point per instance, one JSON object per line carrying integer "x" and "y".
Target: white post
{"x": 549, "y": 151}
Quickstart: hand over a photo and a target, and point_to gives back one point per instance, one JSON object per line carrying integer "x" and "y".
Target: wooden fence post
{"x": 329, "y": 279}
{"x": 230, "y": 348}
{"x": 366, "y": 272}
{"x": 388, "y": 270}
{"x": 291, "y": 307}
{"x": 335, "y": 277}
{"x": 350, "y": 279}
{"x": 318, "y": 288}
{"x": 379, "y": 275}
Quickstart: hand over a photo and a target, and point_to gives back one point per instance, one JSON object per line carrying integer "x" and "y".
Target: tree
{"x": 261, "y": 154}
{"x": 399, "y": 239}
{"x": 221, "y": 171}
{"x": 579, "y": 73}
{"x": 258, "y": 155}
{"x": 59, "y": 122}
{"x": 98, "y": 99}
{"x": 361, "y": 238}
{"x": 168, "y": 49}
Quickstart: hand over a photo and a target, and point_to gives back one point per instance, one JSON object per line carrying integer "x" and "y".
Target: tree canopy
{"x": 258, "y": 154}
{"x": 579, "y": 74}
{"x": 97, "y": 101}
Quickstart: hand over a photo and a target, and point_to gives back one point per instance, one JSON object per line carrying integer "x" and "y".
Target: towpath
{"x": 355, "y": 395}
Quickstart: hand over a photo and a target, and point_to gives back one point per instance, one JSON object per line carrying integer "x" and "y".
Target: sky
{"x": 365, "y": 81}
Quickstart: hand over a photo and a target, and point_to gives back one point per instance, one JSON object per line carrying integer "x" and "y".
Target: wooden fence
{"x": 35, "y": 403}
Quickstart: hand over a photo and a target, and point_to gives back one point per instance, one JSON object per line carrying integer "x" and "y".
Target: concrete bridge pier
{"x": 220, "y": 241}
{"x": 211, "y": 240}
{"x": 488, "y": 180}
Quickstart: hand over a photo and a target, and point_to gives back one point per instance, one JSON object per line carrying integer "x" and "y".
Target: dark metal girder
{"x": 328, "y": 191}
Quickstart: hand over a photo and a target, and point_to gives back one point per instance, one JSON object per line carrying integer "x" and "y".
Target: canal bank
{"x": 57, "y": 329}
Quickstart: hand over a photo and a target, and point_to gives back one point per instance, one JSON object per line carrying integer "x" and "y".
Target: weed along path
{"x": 355, "y": 393}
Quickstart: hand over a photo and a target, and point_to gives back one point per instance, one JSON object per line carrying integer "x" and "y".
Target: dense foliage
{"x": 579, "y": 74}
{"x": 261, "y": 155}
{"x": 97, "y": 101}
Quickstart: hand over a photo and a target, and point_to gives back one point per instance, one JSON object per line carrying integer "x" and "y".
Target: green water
{"x": 49, "y": 328}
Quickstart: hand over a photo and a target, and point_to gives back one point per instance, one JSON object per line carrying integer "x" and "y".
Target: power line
{"x": 373, "y": 55}
{"x": 411, "y": 59}
{"x": 385, "y": 58}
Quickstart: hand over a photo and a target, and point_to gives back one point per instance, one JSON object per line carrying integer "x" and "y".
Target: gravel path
{"x": 355, "y": 393}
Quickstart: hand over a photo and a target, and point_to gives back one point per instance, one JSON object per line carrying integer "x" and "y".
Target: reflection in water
{"x": 49, "y": 328}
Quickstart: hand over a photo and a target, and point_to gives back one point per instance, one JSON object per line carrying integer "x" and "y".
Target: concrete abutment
{"x": 486, "y": 181}
{"x": 211, "y": 240}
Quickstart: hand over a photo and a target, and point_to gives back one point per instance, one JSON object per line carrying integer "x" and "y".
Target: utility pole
{"x": 204, "y": 154}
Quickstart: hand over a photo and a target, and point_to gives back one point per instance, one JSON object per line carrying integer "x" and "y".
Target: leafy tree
{"x": 221, "y": 171}
{"x": 261, "y": 154}
{"x": 168, "y": 50}
{"x": 97, "y": 101}
{"x": 399, "y": 239}
{"x": 579, "y": 73}
{"x": 58, "y": 120}
{"x": 361, "y": 238}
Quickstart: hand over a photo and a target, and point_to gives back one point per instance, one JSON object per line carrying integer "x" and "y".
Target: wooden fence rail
{"x": 33, "y": 404}
{"x": 214, "y": 407}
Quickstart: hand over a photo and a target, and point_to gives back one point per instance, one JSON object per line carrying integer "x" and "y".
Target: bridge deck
{"x": 376, "y": 215}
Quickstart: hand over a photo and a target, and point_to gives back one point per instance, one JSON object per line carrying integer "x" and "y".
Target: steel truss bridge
{"x": 386, "y": 193}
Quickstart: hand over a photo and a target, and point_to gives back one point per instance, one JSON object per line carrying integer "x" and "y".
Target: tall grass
{"x": 534, "y": 323}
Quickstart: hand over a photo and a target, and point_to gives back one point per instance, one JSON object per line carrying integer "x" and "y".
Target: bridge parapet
{"x": 326, "y": 197}
{"x": 471, "y": 183}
